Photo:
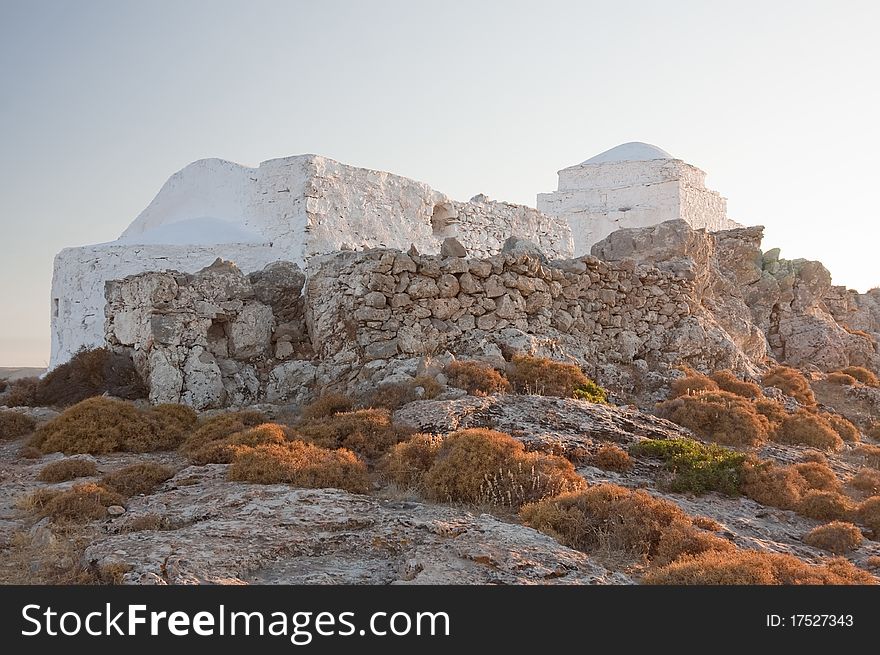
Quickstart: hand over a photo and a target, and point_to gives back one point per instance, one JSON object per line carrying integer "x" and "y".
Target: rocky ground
{"x": 200, "y": 528}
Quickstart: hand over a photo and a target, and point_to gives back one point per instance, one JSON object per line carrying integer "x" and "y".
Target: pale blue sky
{"x": 101, "y": 101}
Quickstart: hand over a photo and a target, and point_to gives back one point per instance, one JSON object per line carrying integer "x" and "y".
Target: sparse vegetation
{"x": 137, "y": 479}
{"x": 220, "y": 427}
{"x": 223, "y": 450}
{"x": 696, "y": 467}
{"x": 869, "y": 515}
{"x": 104, "y": 425}
{"x": 89, "y": 373}
{"x": 327, "y": 405}
{"x": 719, "y": 416}
{"x": 22, "y": 392}
{"x": 394, "y": 396}
{"x": 792, "y": 383}
{"x": 368, "y": 432}
{"x": 611, "y": 458}
{"x": 407, "y": 462}
{"x": 485, "y": 466}
{"x": 804, "y": 428}
{"x": 862, "y": 374}
{"x": 612, "y": 518}
{"x": 300, "y": 464}
{"x": 824, "y": 505}
{"x": 838, "y": 537}
{"x": 67, "y": 469}
{"x": 691, "y": 383}
{"x": 546, "y": 377}
{"x": 15, "y": 424}
{"x": 841, "y": 378}
{"x": 867, "y": 480}
{"x": 869, "y": 454}
{"x": 729, "y": 382}
{"x": 477, "y": 378}
{"x": 748, "y": 567}
{"x": 843, "y": 427}
{"x": 81, "y": 503}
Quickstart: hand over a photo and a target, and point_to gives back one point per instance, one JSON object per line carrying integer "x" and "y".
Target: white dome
{"x": 632, "y": 151}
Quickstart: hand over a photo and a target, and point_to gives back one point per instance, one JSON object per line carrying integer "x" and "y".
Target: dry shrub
{"x": 477, "y": 378}
{"x": 837, "y": 537}
{"x": 614, "y": 518}
{"x": 15, "y": 424}
{"x": 137, "y": 479}
{"x": 869, "y": 515}
{"x": 872, "y": 562}
{"x": 804, "y": 428}
{"x": 867, "y": 480}
{"x": 80, "y": 503}
{"x": 91, "y": 373}
{"x": 611, "y": 458}
{"x": 873, "y": 430}
{"x": 67, "y": 469}
{"x": 394, "y": 396}
{"x": 719, "y": 416}
{"x": 748, "y": 567}
{"x": 692, "y": 383}
{"x": 772, "y": 410}
{"x": 22, "y": 392}
{"x": 180, "y": 418}
{"x": 814, "y": 456}
{"x": 407, "y": 462}
{"x": 485, "y": 466}
{"x": 729, "y": 382}
{"x": 792, "y": 383}
{"x": 545, "y": 377}
{"x": 368, "y": 432}
{"x": 769, "y": 483}
{"x": 219, "y": 427}
{"x": 3, "y": 385}
{"x": 843, "y": 427}
{"x": 149, "y": 522}
{"x": 841, "y": 379}
{"x": 869, "y": 454}
{"x": 824, "y": 505}
{"x": 300, "y": 464}
{"x": 862, "y": 374}
{"x": 818, "y": 476}
{"x": 707, "y": 523}
{"x": 29, "y": 452}
{"x": 327, "y": 405}
{"x": 222, "y": 451}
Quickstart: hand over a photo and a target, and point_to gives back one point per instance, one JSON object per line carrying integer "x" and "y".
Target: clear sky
{"x": 101, "y": 101}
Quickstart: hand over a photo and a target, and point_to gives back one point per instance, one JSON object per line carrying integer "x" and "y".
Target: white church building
{"x": 297, "y": 208}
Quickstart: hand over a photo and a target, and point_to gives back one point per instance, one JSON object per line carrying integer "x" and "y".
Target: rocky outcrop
{"x": 325, "y": 536}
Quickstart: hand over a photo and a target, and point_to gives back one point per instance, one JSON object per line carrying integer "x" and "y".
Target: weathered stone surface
{"x": 279, "y": 535}
{"x": 251, "y": 331}
{"x": 451, "y": 247}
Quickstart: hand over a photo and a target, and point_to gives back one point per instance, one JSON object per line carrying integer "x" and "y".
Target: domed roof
{"x": 632, "y": 151}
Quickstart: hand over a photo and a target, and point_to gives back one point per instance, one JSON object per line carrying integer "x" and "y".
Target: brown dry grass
{"x": 545, "y": 377}
{"x": 395, "y": 396}
{"x": 222, "y": 451}
{"x": 824, "y": 505}
{"x": 862, "y": 374}
{"x": 772, "y": 410}
{"x": 219, "y": 427}
{"x": 611, "y": 458}
{"x": 22, "y": 393}
{"x": 611, "y": 518}
{"x": 748, "y": 567}
{"x": 838, "y": 537}
{"x": 407, "y": 462}
{"x": 792, "y": 383}
{"x": 719, "y": 416}
{"x": 79, "y": 504}
{"x": 869, "y": 515}
{"x": 868, "y": 454}
{"x": 368, "y": 432}
{"x": 104, "y": 425}
{"x": 477, "y": 378}
{"x": 729, "y": 382}
{"x": 866, "y": 480}
{"x": 804, "y": 428}
{"x": 841, "y": 379}
{"x": 772, "y": 484}
{"x": 327, "y": 405}
{"x": 67, "y": 469}
{"x": 300, "y": 464}
{"x": 692, "y": 383}
{"x": 818, "y": 475}
{"x": 489, "y": 467}
{"x": 137, "y": 479}
{"x": 15, "y": 424}
{"x": 843, "y": 427}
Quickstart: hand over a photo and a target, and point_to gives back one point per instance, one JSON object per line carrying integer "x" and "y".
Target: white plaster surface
{"x": 293, "y": 209}
{"x": 632, "y": 185}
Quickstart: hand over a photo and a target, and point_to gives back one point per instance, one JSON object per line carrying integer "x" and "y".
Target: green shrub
{"x": 591, "y": 392}
{"x": 696, "y": 467}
